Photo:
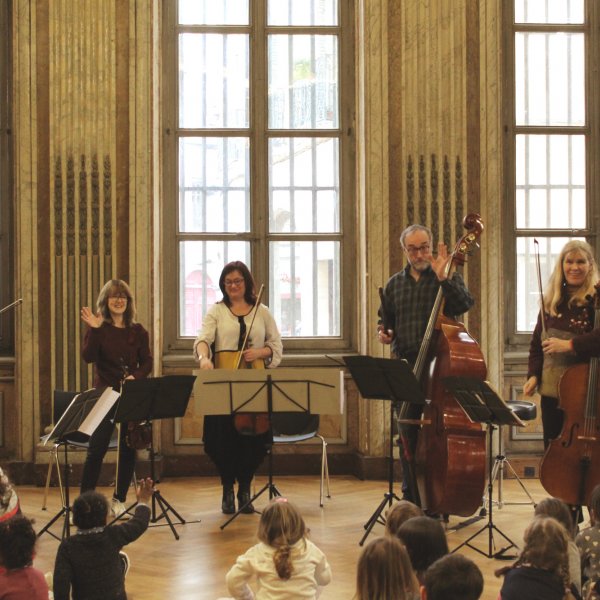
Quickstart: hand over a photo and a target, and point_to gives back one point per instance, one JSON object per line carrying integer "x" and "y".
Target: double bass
{"x": 570, "y": 468}
{"x": 451, "y": 450}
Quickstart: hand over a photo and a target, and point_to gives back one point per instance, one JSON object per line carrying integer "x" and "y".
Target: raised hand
{"x": 439, "y": 264}
{"x": 144, "y": 490}
{"x": 89, "y": 318}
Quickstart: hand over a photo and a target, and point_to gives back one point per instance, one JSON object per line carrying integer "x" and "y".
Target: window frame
{"x": 514, "y": 340}
{"x": 259, "y": 135}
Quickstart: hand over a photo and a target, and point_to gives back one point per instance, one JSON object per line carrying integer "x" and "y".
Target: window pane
{"x": 306, "y": 12}
{"x": 550, "y": 180}
{"x": 527, "y": 295}
{"x": 305, "y": 288}
{"x": 214, "y": 186}
{"x": 200, "y": 265}
{"x": 549, "y": 79}
{"x": 213, "y": 80}
{"x": 209, "y": 12}
{"x": 303, "y": 81}
{"x": 304, "y": 185}
{"x": 549, "y": 11}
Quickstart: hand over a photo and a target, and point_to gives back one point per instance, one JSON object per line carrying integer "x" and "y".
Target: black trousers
{"x": 552, "y": 419}
{"x": 98, "y": 447}
{"x": 236, "y": 456}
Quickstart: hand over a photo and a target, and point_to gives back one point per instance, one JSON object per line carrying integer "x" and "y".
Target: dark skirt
{"x": 236, "y": 456}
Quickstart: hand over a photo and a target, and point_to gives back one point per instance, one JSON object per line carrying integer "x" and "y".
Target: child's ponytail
{"x": 283, "y": 563}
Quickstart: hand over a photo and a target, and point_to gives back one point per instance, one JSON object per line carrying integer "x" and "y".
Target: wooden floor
{"x": 194, "y": 567}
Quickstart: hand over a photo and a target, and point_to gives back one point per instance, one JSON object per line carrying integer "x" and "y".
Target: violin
{"x": 245, "y": 423}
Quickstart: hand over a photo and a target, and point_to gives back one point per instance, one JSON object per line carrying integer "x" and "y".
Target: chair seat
{"x": 290, "y": 439}
{"x": 526, "y": 411}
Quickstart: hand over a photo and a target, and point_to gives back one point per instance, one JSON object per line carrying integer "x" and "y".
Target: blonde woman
{"x": 569, "y": 324}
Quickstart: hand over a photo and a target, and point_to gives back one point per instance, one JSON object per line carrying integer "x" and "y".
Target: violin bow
{"x": 260, "y": 293}
{"x": 539, "y": 278}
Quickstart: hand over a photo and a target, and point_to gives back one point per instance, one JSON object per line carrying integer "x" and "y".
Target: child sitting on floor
{"x": 90, "y": 563}
{"x": 286, "y": 564}
{"x": 384, "y": 572}
{"x": 18, "y": 579}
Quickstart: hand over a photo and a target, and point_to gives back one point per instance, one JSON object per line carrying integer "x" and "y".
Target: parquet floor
{"x": 194, "y": 567}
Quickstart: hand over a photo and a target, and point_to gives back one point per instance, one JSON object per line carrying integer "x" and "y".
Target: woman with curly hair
{"x": 542, "y": 570}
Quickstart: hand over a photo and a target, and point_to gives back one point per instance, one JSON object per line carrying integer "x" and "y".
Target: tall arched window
{"x": 553, "y": 142}
{"x": 258, "y": 162}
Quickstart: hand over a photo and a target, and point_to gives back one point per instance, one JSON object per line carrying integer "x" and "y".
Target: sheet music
{"x": 99, "y": 411}
{"x": 69, "y": 421}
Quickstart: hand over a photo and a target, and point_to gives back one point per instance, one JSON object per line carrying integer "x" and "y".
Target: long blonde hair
{"x": 281, "y": 526}
{"x": 384, "y": 572}
{"x": 554, "y": 293}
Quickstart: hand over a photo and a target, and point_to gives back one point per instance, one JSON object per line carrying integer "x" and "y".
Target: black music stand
{"x": 148, "y": 400}
{"x": 385, "y": 379}
{"x": 77, "y": 424}
{"x": 483, "y": 405}
{"x": 253, "y": 401}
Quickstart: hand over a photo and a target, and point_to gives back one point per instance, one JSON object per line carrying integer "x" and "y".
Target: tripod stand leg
{"x": 374, "y": 518}
{"x": 520, "y": 482}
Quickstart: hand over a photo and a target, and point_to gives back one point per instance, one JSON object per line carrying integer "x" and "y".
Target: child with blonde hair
{"x": 384, "y": 572}
{"x": 285, "y": 562}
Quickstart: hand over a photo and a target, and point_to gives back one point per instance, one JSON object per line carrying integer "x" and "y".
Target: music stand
{"x": 483, "y": 405}
{"x": 281, "y": 390}
{"x": 77, "y": 423}
{"x": 385, "y": 379}
{"x": 148, "y": 400}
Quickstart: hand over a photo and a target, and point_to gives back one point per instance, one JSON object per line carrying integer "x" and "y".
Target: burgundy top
{"x": 23, "y": 584}
{"x": 580, "y": 321}
{"x": 114, "y": 349}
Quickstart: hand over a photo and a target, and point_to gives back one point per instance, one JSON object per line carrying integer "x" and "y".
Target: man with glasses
{"x": 408, "y": 301}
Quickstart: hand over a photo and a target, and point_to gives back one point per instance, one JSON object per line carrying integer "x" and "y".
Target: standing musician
{"x": 569, "y": 320}
{"x": 409, "y": 297}
{"x": 237, "y": 456}
{"x": 120, "y": 349}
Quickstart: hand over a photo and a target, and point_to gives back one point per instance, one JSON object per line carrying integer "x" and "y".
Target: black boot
{"x": 228, "y": 502}
{"x": 243, "y": 497}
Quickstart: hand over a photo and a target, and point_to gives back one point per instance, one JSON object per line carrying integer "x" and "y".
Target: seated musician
{"x": 236, "y": 455}
{"x": 409, "y": 297}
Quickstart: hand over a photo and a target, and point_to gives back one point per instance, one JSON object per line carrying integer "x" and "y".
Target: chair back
{"x": 294, "y": 423}
{"x": 62, "y": 399}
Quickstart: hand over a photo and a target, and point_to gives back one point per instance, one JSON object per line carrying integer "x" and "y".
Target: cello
{"x": 450, "y": 447}
{"x": 570, "y": 467}
{"x": 245, "y": 423}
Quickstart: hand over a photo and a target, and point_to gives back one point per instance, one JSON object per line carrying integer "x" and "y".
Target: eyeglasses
{"x": 230, "y": 282}
{"x": 414, "y": 250}
{"x": 118, "y": 297}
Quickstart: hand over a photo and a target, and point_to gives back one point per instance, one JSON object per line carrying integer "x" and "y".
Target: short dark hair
{"x": 17, "y": 541}
{"x": 90, "y": 510}
{"x": 425, "y": 541}
{"x": 453, "y": 577}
